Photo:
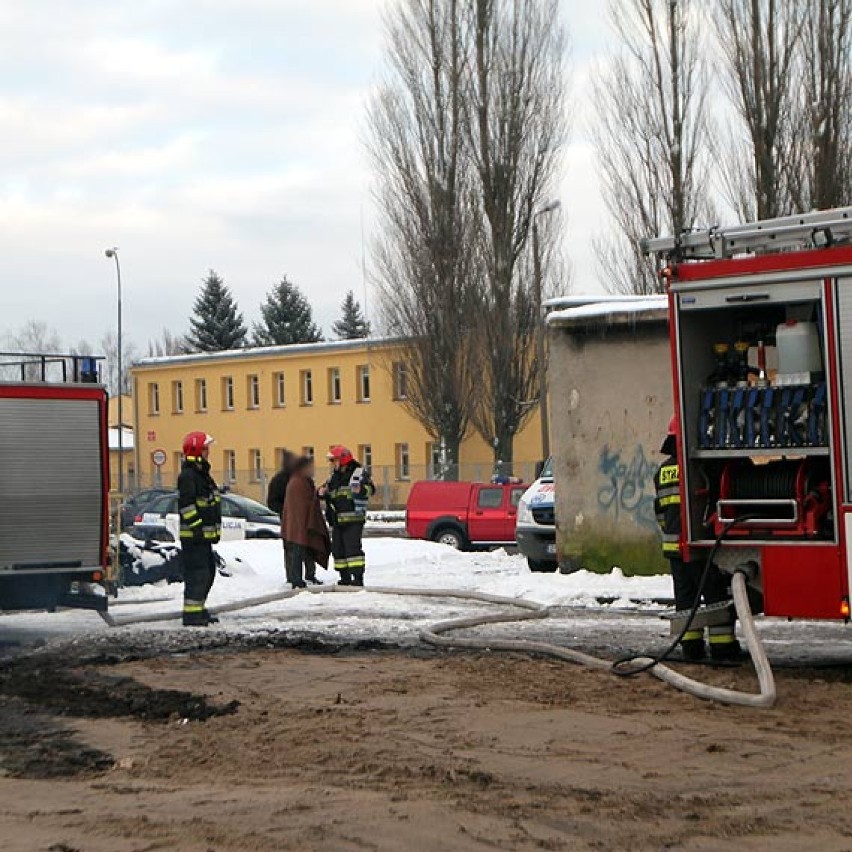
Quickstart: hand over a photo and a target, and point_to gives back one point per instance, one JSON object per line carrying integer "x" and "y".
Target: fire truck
{"x": 54, "y": 482}
{"x": 761, "y": 322}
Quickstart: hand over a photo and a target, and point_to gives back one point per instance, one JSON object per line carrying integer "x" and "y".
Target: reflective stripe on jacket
{"x": 667, "y": 506}
{"x": 199, "y": 504}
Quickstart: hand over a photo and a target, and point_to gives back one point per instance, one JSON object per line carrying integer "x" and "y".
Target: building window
{"x": 334, "y": 388}
{"x": 177, "y": 458}
{"x": 307, "y": 387}
{"x": 365, "y": 455}
{"x": 363, "y": 375}
{"x": 403, "y": 462}
{"x": 253, "y": 392}
{"x": 177, "y": 397}
{"x": 400, "y": 381}
{"x": 153, "y": 398}
{"x": 255, "y": 465}
{"x": 308, "y": 451}
{"x": 230, "y": 466}
{"x": 228, "y": 393}
{"x": 434, "y": 461}
{"x": 201, "y": 395}
{"x": 278, "y": 390}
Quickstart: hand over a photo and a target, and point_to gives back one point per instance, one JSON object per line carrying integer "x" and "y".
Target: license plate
{"x": 551, "y": 549}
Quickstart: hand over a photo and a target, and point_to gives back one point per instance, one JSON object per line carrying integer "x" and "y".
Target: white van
{"x": 536, "y": 527}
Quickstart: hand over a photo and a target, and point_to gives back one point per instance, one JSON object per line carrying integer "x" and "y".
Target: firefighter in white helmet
{"x": 686, "y": 576}
{"x": 200, "y": 508}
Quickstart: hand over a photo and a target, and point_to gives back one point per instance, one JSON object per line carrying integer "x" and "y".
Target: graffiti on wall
{"x": 628, "y": 486}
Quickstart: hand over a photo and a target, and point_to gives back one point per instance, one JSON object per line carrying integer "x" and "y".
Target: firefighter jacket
{"x": 199, "y": 504}
{"x": 345, "y": 505}
{"x": 667, "y": 506}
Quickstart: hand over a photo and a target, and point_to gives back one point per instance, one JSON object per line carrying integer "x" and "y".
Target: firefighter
{"x": 687, "y": 575}
{"x": 346, "y": 494}
{"x": 200, "y": 507}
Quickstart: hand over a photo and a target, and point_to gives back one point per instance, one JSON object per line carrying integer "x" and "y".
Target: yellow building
{"x": 126, "y": 449}
{"x": 306, "y": 398}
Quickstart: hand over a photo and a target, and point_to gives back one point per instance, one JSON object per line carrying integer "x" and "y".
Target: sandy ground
{"x": 393, "y": 751}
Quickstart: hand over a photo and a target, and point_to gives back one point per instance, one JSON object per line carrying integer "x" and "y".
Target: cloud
{"x": 197, "y": 133}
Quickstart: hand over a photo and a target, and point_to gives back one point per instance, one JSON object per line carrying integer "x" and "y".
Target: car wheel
{"x": 449, "y": 536}
{"x": 541, "y": 566}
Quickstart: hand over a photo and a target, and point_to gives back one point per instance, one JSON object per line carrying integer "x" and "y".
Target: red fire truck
{"x": 761, "y": 321}
{"x": 54, "y": 482}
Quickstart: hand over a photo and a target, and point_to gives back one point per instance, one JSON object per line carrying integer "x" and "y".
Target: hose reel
{"x": 783, "y": 499}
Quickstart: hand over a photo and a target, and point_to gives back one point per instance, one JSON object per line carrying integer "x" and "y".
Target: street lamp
{"x": 550, "y": 207}
{"x": 113, "y": 253}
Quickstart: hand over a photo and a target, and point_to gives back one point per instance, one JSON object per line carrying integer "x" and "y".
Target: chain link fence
{"x": 393, "y": 484}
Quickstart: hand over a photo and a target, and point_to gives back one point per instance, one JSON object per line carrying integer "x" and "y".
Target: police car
{"x": 535, "y": 531}
{"x": 241, "y": 517}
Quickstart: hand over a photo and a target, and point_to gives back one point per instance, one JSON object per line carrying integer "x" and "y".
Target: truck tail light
{"x": 844, "y": 607}
{"x": 137, "y": 519}
{"x": 97, "y": 576}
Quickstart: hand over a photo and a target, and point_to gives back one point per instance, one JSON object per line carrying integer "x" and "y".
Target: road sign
{"x": 159, "y": 457}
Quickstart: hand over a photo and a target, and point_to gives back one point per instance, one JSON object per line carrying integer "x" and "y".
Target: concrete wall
{"x": 611, "y": 401}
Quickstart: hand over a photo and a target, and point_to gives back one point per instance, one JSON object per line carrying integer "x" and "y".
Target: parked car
{"x": 241, "y": 517}
{"x": 463, "y": 514}
{"x": 134, "y": 506}
{"x": 536, "y": 528}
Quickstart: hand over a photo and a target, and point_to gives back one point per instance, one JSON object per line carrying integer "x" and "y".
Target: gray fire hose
{"x": 436, "y": 635}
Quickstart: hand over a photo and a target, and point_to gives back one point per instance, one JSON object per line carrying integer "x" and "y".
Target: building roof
{"x": 267, "y": 352}
{"x": 612, "y": 312}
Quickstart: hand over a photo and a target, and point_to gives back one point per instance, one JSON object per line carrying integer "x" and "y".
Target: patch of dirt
{"x": 381, "y": 751}
{"x": 36, "y": 689}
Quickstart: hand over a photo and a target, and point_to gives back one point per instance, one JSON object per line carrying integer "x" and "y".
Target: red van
{"x": 463, "y": 514}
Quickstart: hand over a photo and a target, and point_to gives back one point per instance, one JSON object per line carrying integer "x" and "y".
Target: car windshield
{"x": 547, "y": 470}
{"x": 162, "y": 505}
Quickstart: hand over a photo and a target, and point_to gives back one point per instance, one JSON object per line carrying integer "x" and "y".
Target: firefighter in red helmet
{"x": 346, "y": 495}
{"x": 686, "y": 576}
{"x": 200, "y": 508}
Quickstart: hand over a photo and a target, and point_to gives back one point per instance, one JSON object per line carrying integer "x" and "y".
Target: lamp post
{"x": 540, "y": 347}
{"x": 113, "y": 253}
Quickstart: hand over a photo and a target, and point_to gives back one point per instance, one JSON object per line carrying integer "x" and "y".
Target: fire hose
{"x": 525, "y": 610}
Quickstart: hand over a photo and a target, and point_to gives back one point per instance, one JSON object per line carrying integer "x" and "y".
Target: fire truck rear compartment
{"x": 756, "y": 444}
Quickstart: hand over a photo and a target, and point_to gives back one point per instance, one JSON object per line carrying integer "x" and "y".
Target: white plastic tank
{"x": 798, "y": 348}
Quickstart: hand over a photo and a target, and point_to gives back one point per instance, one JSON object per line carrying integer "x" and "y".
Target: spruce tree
{"x": 287, "y": 318}
{"x": 352, "y": 324}
{"x": 217, "y": 323}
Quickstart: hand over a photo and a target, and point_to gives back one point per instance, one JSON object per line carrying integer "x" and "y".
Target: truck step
{"x": 711, "y": 615}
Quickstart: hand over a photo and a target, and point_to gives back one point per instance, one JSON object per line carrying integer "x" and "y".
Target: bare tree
{"x": 109, "y": 349}
{"x": 167, "y": 344}
{"x": 517, "y": 95}
{"x": 34, "y": 337}
{"x": 820, "y": 168}
{"x": 423, "y": 262}
{"x": 653, "y": 135}
{"x": 760, "y": 41}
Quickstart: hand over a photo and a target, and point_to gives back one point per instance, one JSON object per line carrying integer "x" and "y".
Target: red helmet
{"x": 194, "y": 443}
{"x": 341, "y": 454}
{"x": 674, "y": 427}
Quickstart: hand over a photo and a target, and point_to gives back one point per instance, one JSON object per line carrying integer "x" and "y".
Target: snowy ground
{"x": 256, "y": 568}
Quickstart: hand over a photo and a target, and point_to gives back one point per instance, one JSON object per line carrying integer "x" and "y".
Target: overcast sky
{"x": 206, "y": 133}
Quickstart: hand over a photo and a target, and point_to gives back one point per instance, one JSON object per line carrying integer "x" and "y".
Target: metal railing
{"x": 50, "y": 367}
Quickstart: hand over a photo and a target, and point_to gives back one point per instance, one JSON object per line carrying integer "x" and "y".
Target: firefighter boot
{"x": 345, "y": 578}
{"x": 211, "y": 619}
{"x": 723, "y": 644}
{"x": 195, "y": 618}
{"x": 358, "y": 577}
{"x": 693, "y": 646}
